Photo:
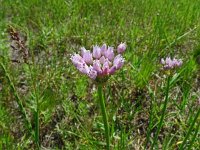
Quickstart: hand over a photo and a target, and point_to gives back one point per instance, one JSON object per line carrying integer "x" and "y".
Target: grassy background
{"x": 70, "y": 116}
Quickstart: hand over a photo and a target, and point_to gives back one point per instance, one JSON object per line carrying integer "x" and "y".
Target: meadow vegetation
{"x": 46, "y": 103}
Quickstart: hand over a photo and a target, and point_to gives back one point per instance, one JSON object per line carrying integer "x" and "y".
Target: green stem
{"x": 37, "y": 111}
{"x": 104, "y": 115}
{"x": 163, "y": 112}
{"x": 37, "y": 126}
{"x": 19, "y": 101}
{"x": 189, "y": 131}
{"x": 194, "y": 136}
{"x": 150, "y": 118}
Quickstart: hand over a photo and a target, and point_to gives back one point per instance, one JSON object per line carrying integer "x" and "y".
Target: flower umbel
{"x": 169, "y": 63}
{"x": 101, "y": 62}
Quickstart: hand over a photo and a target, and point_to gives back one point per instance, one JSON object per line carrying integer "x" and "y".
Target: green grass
{"x": 69, "y": 114}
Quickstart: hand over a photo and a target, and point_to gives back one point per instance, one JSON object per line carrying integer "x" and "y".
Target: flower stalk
{"x": 104, "y": 115}
{"x": 163, "y": 111}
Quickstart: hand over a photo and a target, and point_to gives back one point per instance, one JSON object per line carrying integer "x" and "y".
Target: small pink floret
{"x": 96, "y": 52}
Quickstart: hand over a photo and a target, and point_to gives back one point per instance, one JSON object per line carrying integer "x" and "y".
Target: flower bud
{"x": 121, "y": 48}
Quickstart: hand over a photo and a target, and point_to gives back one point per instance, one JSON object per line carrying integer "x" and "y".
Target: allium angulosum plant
{"x": 169, "y": 66}
{"x": 99, "y": 65}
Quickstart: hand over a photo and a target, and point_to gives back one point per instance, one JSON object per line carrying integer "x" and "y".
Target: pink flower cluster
{"x": 100, "y": 62}
{"x": 169, "y": 63}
